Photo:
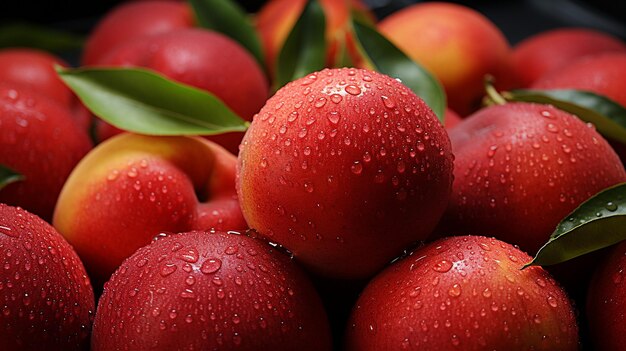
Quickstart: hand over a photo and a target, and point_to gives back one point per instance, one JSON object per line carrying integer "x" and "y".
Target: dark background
{"x": 516, "y": 18}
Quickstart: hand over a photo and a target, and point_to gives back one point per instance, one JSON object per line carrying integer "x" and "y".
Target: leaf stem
{"x": 491, "y": 91}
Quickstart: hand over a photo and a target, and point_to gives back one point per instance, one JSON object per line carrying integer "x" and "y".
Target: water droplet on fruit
{"x": 333, "y": 117}
{"x": 319, "y": 103}
{"x": 211, "y": 266}
{"x": 455, "y": 290}
{"x": 190, "y": 256}
{"x": 552, "y": 301}
{"x": 356, "y": 168}
{"x": 336, "y": 98}
{"x": 541, "y": 282}
{"x": 552, "y": 128}
{"x": 168, "y": 269}
{"x": 388, "y": 102}
{"x": 353, "y": 90}
{"x": 442, "y": 266}
{"x": 231, "y": 250}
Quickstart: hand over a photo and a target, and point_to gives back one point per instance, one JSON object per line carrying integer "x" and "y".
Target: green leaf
{"x": 19, "y": 34}
{"x": 227, "y": 17}
{"x": 386, "y": 58}
{"x": 304, "y": 50}
{"x": 8, "y": 176}
{"x": 608, "y": 116}
{"x": 597, "y": 223}
{"x": 141, "y": 101}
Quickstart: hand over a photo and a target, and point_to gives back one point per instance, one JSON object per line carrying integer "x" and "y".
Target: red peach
{"x": 45, "y": 294}
{"x": 603, "y": 74}
{"x": 205, "y": 60}
{"x": 132, "y": 187}
{"x": 344, "y": 167}
{"x": 520, "y": 168}
{"x": 456, "y": 44}
{"x": 132, "y": 20}
{"x": 210, "y": 291}
{"x": 463, "y": 293}
{"x": 606, "y": 301}
{"x": 39, "y": 140}
{"x": 545, "y": 52}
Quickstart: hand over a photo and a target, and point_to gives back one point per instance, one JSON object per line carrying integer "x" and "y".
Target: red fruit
{"x": 452, "y": 119}
{"x": 344, "y": 167}
{"x": 606, "y": 302}
{"x": 132, "y": 20}
{"x": 209, "y": 291}
{"x": 132, "y": 187}
{"x": 463, "y": 293}
{"x": 602, "y": 74}
{"x": 521, "y": 168}
{"x": 34, "y": 69}
{"x": 38, "y": 139}
{"x": 46, "y": 299}
{"x": 545, "y": 52}
{"x": 205, "y": 60}
{"x": 457, "y": 44}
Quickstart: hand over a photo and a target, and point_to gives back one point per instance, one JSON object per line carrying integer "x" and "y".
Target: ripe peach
{"x": 45, "y": 295}
{"x": 606, "y": 301}
{"x": 545, "y": 52}
{"x": 210, "y": 291}
{"x": 463, "y": 293}
{"x": 205, "y": 60}
{"x": 456, "y": 44}
{"x": 520, "y": 168}
{"x": 133, "y": 20}
{"x": 344, "y": 167}
{"x": 603, "y": 74}
{"x": 132, "y": 187}
{"x": 38, "y": 139}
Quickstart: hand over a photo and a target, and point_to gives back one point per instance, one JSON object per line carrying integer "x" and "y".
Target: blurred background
{"x": 516, "y": 18}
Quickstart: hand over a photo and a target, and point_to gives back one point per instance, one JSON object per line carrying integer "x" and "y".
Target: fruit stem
{"x": 491, "y": 91}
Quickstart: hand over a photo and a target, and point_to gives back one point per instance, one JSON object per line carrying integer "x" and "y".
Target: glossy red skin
{"x": 463, "y": 293}
{"x": 344, "y": 197}
{"x": 38, "y": 139}
{"x": 452, "y": 119}
{"x": 520, "y": 168}
{"x": 606, "y": 302}
{"x": 126, "y": 191}
{"x": 457, "y": 44}
{"x": 45, "y": 294}
{"x": 602, "y": 74}
{"x": 210, "y": 291}
{"x": 205, "y": 60}
{"x": 545, "y": 52}
{"x": 35, "y": 69}
{"x": 133, "y": 20}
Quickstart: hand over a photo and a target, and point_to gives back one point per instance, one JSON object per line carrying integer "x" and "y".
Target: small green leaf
{"x": 8, "y": 176}
{"x": 386, "y": 58}
{"x": 227, "y": 17}
{"x": 141, "y": 101}
{"x": 304, "y": 50}
{"x": 19, "y": 34}
{"x": 608, "y": 116}
{"x": 597, "y": 223}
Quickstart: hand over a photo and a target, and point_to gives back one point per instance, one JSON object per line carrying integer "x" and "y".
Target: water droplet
{"x": 336, "y": 98}
{"x": 353, "y": 90}
{"x": 190, "y": 256}
{"x": 552, "y": 128}
{"x": 333, "y": 117}
{"x": 319, "y": 103}
{"x": 7, "y": 231}
{"x": 356, "y": 167}
{"x": 455, "y": 290}
{"x": 211, "y": 266}
{"x": 308, "y": 187}
{"x": 442, "y": 266}
{"x": 168, "y": 269}
{"x": 552, "y": 301}
{"x": 388, "y": 102}
{"x": 231, "y": 250}
{"x": 611, "y": 206}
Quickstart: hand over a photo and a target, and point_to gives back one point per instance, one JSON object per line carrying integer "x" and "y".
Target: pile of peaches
{"x": 311, "y": 178}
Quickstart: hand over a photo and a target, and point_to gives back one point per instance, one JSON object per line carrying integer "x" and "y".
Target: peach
{"x": 205, "y": 60}
{"x": 133, "y": 20}
{"x": 46, "y": 298}
{"x": 344, "y": 167}
{"x": 456, "y": 44}
{"x": 131, "y": 188}
{"x": 210, "y": 291}
{"x": 463, "y": 293}
{"x": 38, "y": 139}
{"x": 520, "y": 168}
{"x": 545, "y": 52}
